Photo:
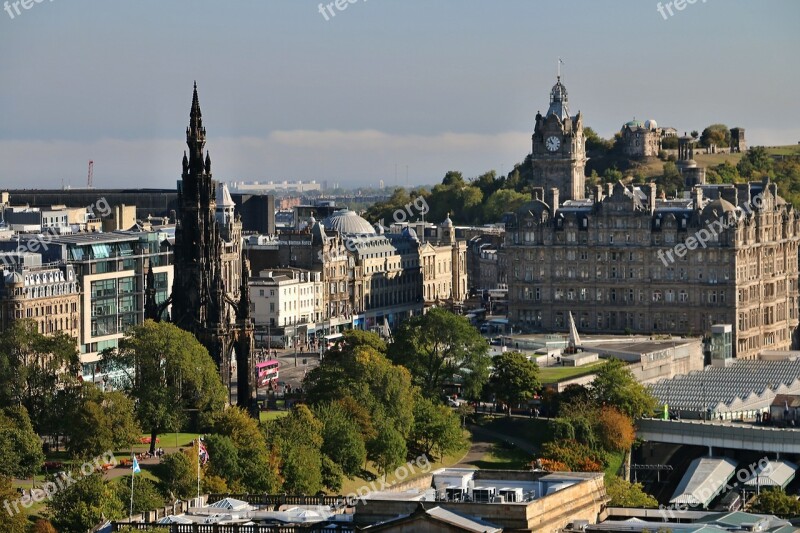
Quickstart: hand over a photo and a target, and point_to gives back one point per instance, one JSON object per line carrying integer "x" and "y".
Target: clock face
{"x": 552, "y": 143}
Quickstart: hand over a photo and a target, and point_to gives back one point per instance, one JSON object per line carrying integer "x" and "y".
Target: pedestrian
{"x": 530, "y": 412}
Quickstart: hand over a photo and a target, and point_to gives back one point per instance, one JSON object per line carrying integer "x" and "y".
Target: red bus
{"x": 267, "y": 372}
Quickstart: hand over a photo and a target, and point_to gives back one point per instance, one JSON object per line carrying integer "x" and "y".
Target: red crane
{"x": 91, "y": 175}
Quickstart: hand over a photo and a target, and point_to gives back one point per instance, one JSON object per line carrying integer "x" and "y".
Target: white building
{"x": 286, "y": 302}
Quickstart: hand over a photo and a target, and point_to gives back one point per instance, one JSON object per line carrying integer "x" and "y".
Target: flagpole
{"x": 133, "y": 474}
{"x": 198, "y": 471}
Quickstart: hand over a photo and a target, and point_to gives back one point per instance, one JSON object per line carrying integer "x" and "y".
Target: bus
{"x": 267, "y": 372}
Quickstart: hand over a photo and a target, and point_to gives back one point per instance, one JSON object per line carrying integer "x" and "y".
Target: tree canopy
{"x": 440, "y": 347}
{"x": 614, "y": 385}
{"x": 515, "y": 378}
{"x": 169, "y": 372}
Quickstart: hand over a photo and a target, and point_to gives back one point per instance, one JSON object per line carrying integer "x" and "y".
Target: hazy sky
{"x": 426, "y": 85}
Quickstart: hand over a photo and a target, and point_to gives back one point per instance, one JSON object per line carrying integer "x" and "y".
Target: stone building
{"x": 641, "y": 139}
{"x": 738, "y": 144}
{"x": 443, "y": 262}
{"x": 559, "y": 148}
{"x": 625, "y": 261}
{"x": 48, "y": 294}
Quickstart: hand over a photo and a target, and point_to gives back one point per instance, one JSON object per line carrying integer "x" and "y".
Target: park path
{"x": 484, "y": 439}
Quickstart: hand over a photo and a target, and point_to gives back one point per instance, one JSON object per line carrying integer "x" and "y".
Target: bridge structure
{"x": 721, "y": 435}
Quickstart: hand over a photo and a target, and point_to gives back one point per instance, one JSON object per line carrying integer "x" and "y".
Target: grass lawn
{"x": 614, "y": 464}
{"x": 271, "y": 415}
{"x": 504, "y": 456}
{"x": 790, "y": 149}
{"x": 555, "y": 374}
{"x": 352, "y": 485}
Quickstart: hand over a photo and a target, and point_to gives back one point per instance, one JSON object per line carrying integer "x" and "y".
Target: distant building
{"x": 48, "y": 294}
{"x": 629, "y": 262}
{"x": 738, "y": 143}
{"x": 641, "y": 139}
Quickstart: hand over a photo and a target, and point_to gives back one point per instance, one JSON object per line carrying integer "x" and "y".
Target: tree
{"x": 440, "y": 347}
{"x": 626, "y": 494}
{"x": 671, "y": 179}
{"x": 298, "y": 437}
{"x": 576, "y": 456}
{"x": 82, "y": 505}
{"x": 614, "y": 429}
{"x": 717, "y": 134}
{"x": 503, "y": 201}
{"x": 32, "y": 366}
{"x": 250, "y": 463}
{"x": 21, "y": 453}
{"x": 776, "y": 501}
{"x": 388, "y": 449}
{"x": 359, "y": 371}
{"x": 226, "y": 460}
{"x": 342, "y": 441}
{"x": 11, "y": 521}
{"x": 515, "y": 379}
{"x": 595, "y": 143}
{"x": 178, "y": 473}
{"x": 103, "y": 421}
{"x": 146, "y": 496}
{"x": 614, "y": 385}
{"x": 436, "y": 427}
{"x": 168, "y": 372}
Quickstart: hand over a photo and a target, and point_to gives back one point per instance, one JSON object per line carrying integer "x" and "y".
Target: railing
{"x": 235, "y": 528}
{"x": 280, "y": 499}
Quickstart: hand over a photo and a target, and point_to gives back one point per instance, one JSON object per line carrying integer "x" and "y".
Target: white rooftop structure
{"x": 774, "y": 474}
{"x": 462, "y": 522}
{"x": 704, "y": 479}
{"x": 743, "y": 386}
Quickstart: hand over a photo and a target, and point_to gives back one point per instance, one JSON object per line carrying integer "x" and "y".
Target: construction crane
{"x": 91, "y": 175}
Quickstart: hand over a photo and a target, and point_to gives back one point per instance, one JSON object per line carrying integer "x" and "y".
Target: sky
{"x": 399, "y": 91}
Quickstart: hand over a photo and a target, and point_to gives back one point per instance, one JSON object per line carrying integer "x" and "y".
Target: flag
{"x": 202, "y": 452}
{"x": 135, "y": 466}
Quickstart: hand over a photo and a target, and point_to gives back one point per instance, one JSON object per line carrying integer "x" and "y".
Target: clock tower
{"x": 559, "y": 148}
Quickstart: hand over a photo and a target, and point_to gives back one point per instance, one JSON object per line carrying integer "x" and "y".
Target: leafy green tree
{"x": 359, "y": 371}
{"x": 146, "y": 496}
{"x": 82, "y": 505}
{"x": 515, "y": 378}
{"x": 436, "y": 427}
{"x": 671, "y": 179}
{"x": 178, "y": 473}
{"x": 440, "y": 347}
{"x": 756, "y": 163}
{"x": 776, "y": 501}
{"x": 342, "y": 440}
{"x": 10, "y": 520}
{"x": 253, "y": 466}
{"x": 104, "y": 421}
{"x": 388, "y": 449}
{"x": 717, "y": 134}
{"x": 626, "y": 494}
{"x": 595, "y": 143}
{"x": 32, "y": 366}
{"x": 168, "y": 372}
{"x": 612, "y": 175}
{"x": 332, "y": 474}
{"x": 723, "y": 173}
{"x": 669, "y": 143}
{"x": 562, "y": 429}
{"x": 503, "y": 201}
{"x": 226, "y": 460}
{"x": 614, "y": 385}
{"x": 298, "y": 437}
{"x": 21, "y": 453}
{"x": 571, "y": 397}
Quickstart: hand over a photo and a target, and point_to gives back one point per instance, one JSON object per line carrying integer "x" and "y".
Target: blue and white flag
{"x": 135, "y": 467}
